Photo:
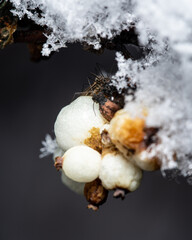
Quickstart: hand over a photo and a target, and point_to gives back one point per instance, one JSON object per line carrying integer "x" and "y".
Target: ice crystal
{"x": 165, "y": 91}
{"x": 170, "y": 20}
{"x": 77, "y": 20}
{"x": 49, "y": 146}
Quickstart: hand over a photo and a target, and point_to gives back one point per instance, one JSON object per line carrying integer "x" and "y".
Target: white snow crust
{"x": 77, "y": 20}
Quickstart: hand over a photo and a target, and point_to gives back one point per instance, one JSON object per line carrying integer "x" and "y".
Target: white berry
{"x": 82, "y": 163}
{"x": 75, "y": 121}
{"x": 117, "y": 172}
{"x": 72, "y": 185}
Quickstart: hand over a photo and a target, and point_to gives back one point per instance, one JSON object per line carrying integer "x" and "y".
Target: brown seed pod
{"x": 95, "y": 194}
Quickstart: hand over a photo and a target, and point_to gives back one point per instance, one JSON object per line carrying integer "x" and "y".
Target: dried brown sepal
{"x": 108, "y": 109}
{"x": 58, "y": 163}
{"x": 92, "y": 207}
{"x": 105, "y": 138}
{"x": 95, "y": 194}
{"x": 107, "y": 145}
{"x": 8, "y": 25}
{"x": 120, "y": 193}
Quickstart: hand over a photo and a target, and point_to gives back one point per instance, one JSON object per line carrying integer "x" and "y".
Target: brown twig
{"x": 30, "y": 36}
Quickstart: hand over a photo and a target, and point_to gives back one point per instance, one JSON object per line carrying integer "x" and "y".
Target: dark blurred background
{"x": 34, "y": 204}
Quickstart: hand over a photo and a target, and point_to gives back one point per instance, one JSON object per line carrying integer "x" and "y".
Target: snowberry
{"x": 128, "y": 135}
{"x": 125, "y": 130}
{"x": 81, "y": 163}
{"x": 117, "y": 172}
{"x": 72, "y": 185}
{"x": 75, "y": 122}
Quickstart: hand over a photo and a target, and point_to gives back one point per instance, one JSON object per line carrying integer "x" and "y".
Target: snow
{"x": 168, "y": 19}
{"x": 49, "y": 146}
{"x": 165, "y": 91}
{"x": 76, "y": 20}
{"x": 163, "y": 77}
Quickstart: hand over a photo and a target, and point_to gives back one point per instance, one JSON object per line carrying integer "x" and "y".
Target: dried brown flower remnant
{"x": 97, "y": 87}
{"x": 8, "y": 25}
{"x": 95, "y": 194}
{"x": 106, "y": 95}
{"x": 108, "y": 109}
{"x": 94, "y": 141}
{"x": 58, "y": 163}
{"x": 105, "y": 139}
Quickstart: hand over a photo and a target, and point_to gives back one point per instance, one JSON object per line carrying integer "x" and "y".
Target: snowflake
{"x": 49, "y": 146}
